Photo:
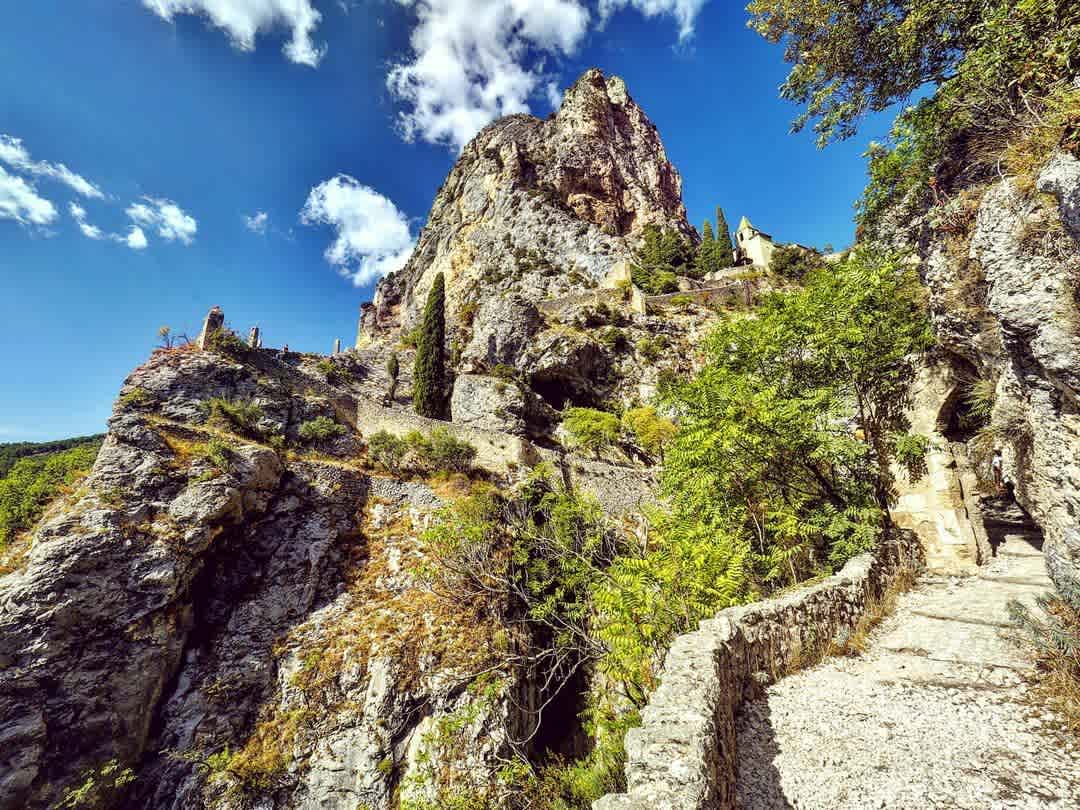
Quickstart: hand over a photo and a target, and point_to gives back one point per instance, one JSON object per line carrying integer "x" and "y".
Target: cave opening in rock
{"x": 958, "y": 420}
{"x": 562, "y": 733}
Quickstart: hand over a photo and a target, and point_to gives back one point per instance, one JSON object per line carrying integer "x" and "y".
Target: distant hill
{"x": 11, "y": 452}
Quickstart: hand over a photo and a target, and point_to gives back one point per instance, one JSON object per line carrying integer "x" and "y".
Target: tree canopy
{"x": 429, "y": 368}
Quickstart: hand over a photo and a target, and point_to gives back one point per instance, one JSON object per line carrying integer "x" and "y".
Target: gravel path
{"x": 933, "y": 715}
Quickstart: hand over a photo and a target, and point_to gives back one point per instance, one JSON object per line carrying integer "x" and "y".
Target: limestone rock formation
{"x": 538, "y": 209}
{"x": 1005, "y": 304}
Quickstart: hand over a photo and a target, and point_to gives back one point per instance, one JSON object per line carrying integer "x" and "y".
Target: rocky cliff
{"x": 227, "y": 612}
{"x": 1001, "y": 261}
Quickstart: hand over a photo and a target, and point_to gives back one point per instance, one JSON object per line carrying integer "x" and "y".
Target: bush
{"x": 234, "y": 415}
{"x": 227, "y": 343}
{"x": 320, "y": 429}
{"x": 650, "y": 348}
{"x": 650, "y": 430}
{"x": 332, "y": 372}
{"x": 795, "y": 263}
{"x": 387, "y": 450}
{"x": 590, "y": 429}
{"x": 614, "y": 338}
{"x": 440, "y": 451}
{"x": 444, "y": 452}
{"x": 217, "y": 453}
{"x": 136, "y": 398}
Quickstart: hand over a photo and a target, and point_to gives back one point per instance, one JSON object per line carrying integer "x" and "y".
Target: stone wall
{"x": 730, "y": 294}
{"x": 683, "y": 756}
{"x": 495, "y": 452}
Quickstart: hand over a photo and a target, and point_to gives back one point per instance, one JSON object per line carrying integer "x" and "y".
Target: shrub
{"x": 650, "y": 348}
{"x": 387, "y": 450}
{"x": 1053, "y": 636}
{"x": 445, "y": 452}
{"x": 136, "y": 398}
{"x": 614, "y": 338}
{"x": 504, "y": 371}
{"x": 590, "y": 429}
{"x": 793, "y": 262}
{"x": 227, "y": 343}
{"x": 320, "y": 429}
{"x": 216, "y": 453}
{"x": 393, "y": 368}
{"x": 332, "y": 372}
{"x": 650, "y": 430}
{"x": 236, "y": 415}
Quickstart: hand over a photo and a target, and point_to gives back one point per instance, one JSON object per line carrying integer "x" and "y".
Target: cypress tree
{"x": 724, "y": 248}
{"x": 706, "y": 233}
{"x": 429, "y": 370}
{"x": 392, "y": 368}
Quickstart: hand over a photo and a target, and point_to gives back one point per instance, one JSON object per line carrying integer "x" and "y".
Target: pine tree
{"x": 392, "y": 368}
{"x": 724, "y": 248}
{"x": 706, "y": 233}
{"x": 429, "y": 370}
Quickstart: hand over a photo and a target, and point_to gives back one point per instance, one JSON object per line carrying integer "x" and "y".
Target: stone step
{"x": 962, "y": 619}
{"x": 1030, "y": 582}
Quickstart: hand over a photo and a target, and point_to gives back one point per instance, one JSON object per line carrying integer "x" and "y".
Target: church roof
{"x": 744, "y": 223}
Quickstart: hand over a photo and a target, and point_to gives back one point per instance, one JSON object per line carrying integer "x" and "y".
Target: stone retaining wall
{"x": 683, "y": 755}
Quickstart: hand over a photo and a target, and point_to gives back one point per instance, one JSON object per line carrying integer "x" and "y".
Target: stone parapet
{"x": 683, "y": 755}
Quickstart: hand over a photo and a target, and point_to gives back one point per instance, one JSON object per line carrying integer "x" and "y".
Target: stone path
{"x": 933, "y": 715}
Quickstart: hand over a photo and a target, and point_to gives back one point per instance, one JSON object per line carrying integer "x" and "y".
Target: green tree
{"x": 393, "y": 368}
{"x": 794, "y": 262}
{"x": 724, "y": 248}
{"x": 429, "y": 369}
{"x": 851, "y": 58}
{"x": 591, "y": 429}
{"x": 765, "y": 453}
{"x": 706, "y": 234}
{"x": 663, "y": 255}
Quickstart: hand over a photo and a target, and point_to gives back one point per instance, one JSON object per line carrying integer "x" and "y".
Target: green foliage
{"x": 764, "y": 454}
{"x": 136, "y": 398}
{"x": 441, "y": 451}
{"x": 387, "y": 450}
{"x": 332, "y": 372}
{"x": 614, "y": 338}
{"x": 228, "y": 344}
{"x": 715, "y": 251}
{"x": 240, "y": 416}
{"x": 1052, "y": 633}
{"x": 651, "y": 348}
{"x": 100, "y": 787}
{"x": 320, "y": 429}
{"x": 590, "y": 429}
{"x": 794, "y": 263}
{"x": 393, "y": 368}
{"x": 429, "y": 370}
{"x": 13, "y": 451}
{"x": 979, "y": 398}
{"x": 664, "y": 254}
{"x": 217, "y": 453}
{"x": 504, "y": 371}
{"x": 650, "y": 430}
{"x": 33, "y": 481}
{"x": 909, "y": 450}
{"x": 724, "y": 248}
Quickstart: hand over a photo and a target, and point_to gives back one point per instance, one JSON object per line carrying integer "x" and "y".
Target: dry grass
{"x": 1054, "y": 642}
{"x": 877, "y": 608}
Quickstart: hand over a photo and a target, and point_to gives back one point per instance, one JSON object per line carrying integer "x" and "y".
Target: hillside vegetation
{"x": 35, "y": 474}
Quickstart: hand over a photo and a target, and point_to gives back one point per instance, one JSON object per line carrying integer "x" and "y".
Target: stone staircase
{"x": 934, "y": 714}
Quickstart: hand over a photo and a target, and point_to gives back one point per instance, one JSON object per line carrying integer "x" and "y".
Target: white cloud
{"x": 684, "y": 11}
{"x": 476, "y": 60}
{"x": 20, "y": 201}
{"x": 170, "y": 220}
{"x": 257, "y": 222}
{"x": 15, "y": 155}
{"x": 136, "y": 239}
{"x": 373, "y": 236}
{"x": 242, "y": 20}
{"x": 78, "y": 213}
{"x": 554, "y": 95}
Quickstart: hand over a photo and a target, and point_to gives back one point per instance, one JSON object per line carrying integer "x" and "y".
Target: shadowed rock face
{"x": 542, "y": 208}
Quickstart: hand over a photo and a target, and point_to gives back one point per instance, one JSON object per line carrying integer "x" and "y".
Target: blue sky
{"x": 161, "y": 156}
